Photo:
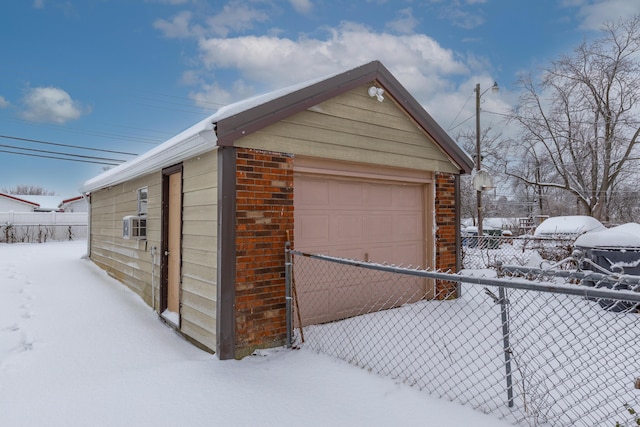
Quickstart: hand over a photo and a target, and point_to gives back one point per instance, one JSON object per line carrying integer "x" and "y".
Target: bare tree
{"x": 579, "y": 122}
{"x": 27, "y": 190}
{"x": 490, "y": 158}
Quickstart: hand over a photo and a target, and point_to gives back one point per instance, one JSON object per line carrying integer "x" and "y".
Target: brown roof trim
{"x": 234, "y": 127}
{"x": 73, "y": 199}
{"x": 19, "y": 200}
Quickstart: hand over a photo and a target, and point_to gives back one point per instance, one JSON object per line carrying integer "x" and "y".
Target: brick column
{"x": 446, "y": 226}
{"x": 264, "y": 214}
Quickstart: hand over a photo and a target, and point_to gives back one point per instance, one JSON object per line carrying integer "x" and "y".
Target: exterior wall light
{"x": 377, "y": 92}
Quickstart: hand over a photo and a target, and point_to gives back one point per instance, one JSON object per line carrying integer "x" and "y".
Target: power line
{"x": 59, "y": 158}
{"x": 101, "y": 134}
{"x": 65, "y": 145}
{"x": 458, "y": 115}
{"x": 117, "y": 161}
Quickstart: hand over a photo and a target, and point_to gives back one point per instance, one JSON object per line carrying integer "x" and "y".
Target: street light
{"x": 479, "y": 94}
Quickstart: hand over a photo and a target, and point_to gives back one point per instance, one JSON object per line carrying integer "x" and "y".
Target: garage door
{"x": 370, "y": 220}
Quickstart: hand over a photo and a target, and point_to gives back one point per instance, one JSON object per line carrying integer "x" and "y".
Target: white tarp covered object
{"x": 622, "y": 236}
{"x": 568, "y": 226}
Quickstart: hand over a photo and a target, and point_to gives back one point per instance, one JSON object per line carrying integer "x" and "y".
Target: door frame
{"x": 164, "y": 269}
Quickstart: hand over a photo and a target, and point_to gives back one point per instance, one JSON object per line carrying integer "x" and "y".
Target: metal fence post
{"x": 288, "y": 287}
{"x": 504, "y": 314}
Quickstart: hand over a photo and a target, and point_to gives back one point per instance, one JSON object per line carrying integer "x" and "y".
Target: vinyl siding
{"x": 127, "y": 260}
{"x": 130, "y": 260}
{"x": 199, "y": 248}
{"x": 354, "y": 127}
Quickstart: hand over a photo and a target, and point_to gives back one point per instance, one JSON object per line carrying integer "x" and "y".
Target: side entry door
{"x": 171, "y": 244}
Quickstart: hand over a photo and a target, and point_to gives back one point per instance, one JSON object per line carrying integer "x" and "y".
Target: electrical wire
{"x": 37, "y": 141}
{"x": 59, "y": 158}
{"x": 458, "y": 115}
{"x": 80, "y": 156}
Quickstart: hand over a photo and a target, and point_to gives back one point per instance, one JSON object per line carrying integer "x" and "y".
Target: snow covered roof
{"x": 622, "y": 236}
{"x": 568, "y": 225}
{"x": 45, "y": 203}
{"x": 19, "y": 199}
{"x": 193, "y": 141}
{"x": 241, "y": 118}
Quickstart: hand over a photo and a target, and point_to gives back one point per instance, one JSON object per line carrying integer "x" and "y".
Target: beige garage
{"x": 344, "y": 170}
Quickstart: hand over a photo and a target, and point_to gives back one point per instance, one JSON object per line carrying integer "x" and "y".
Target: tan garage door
{"x": 371, "y": 220}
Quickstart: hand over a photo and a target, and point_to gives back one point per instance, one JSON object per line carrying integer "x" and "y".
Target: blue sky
{"x": 122, "y": 76}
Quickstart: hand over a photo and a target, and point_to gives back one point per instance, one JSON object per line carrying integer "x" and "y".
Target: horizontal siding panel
{"x": 359, "y": 98}
{"x": 204, "y": 273}
{"x": 339, "y": 117}
{"x": 202, "y": 288}
{"x": 354, "y": 127}
{"x": 199, "y": 242}
{"x": 198, "y": 329}
{"x": 204, "y": 257}
{"x": 200, "y": 213}
{"x": 200, "y": 181}
{"x": 204, "y": 197}
{"x": 127, "y": 260}
{"x": 324, "y": 135}
{"x": 331, "y": 151}
{"x": 374, "y": 131}
{"x": 203, "y": 305}
{"x": 200, "y": 228}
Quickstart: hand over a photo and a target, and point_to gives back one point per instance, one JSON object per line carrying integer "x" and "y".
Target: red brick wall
{"x": 446, "y": 224}
{"x": 264, "y": 209}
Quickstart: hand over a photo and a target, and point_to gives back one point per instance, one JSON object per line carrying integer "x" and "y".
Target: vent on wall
{"x": 134, "y": 227}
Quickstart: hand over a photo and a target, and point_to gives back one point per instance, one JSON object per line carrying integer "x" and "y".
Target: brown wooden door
{"x": 172, "y": 245}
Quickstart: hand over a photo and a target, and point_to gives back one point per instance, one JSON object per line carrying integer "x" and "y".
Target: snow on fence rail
{"x": 42, "y": 226}
{"x": 534, "y": 349}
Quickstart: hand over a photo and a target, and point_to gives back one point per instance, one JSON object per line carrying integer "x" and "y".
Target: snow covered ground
{"x": 77, "y": 348}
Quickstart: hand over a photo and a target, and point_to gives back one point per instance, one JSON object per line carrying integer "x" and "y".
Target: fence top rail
{"x": 573, "y": 274}
{"x": 510, "y": 283}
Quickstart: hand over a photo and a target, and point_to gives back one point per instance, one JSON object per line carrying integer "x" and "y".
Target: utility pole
{"x": 479, "y": 94}
{"x": 478, "y": 162}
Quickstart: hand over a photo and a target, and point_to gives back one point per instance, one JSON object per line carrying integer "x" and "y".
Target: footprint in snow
{"x": 12, "y": 328}
{"x": 27, "y": 343}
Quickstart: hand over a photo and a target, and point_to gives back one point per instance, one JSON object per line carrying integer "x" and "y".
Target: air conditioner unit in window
{"x": 134, "y": 227}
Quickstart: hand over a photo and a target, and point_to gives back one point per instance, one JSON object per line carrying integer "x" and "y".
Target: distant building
{"x": 10, "y": 203}
{"x": 31, "y": 203}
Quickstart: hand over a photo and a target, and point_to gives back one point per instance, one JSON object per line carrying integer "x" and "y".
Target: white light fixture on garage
{"x": 377, "y": 92}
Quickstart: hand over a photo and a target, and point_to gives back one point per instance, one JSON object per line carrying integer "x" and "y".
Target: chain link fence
{"x": 486, "y": 251}
{"x": 535, "y": 347}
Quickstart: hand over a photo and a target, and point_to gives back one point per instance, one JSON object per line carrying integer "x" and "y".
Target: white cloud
{"x": 3, "y": 102}
{"x": 269, "y": 62}
{"x": 235, "y": 17}
{"x": 595, "y": 13}
{"x": 51, "y": 105}
{"x": 405, "y": 23}
{"x": 212, "y": 96}
{"x": 178, "y": 27}
{"x": 38, "y": 4}
{"x": 302, "y": 6}
{"x": 468, "y": 15}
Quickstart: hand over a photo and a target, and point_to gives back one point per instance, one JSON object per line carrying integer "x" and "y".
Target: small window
{"x": 143, "y": 194}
